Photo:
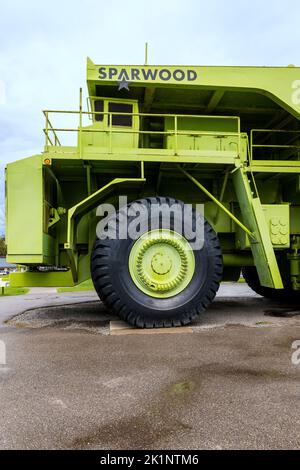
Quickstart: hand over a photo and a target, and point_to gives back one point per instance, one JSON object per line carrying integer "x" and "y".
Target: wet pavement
{"x": 68, "y": 384}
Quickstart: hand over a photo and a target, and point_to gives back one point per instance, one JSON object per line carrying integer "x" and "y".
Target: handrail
{"x": 137, "y": 131}
{"x": 110, "y": 129}
{"x": 275, "y": 146}
{"x": 118, "y": 113}
{"x": 48, "y": 124}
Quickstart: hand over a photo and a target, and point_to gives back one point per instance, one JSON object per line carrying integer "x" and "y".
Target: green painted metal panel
{"x": 24, "y": 193}
{"x": 278, "y": 222}
{"x": 38, "y": 279}
{"x": 203, "y": 134}
{"x": 261, "y": 245}
{"x": 108, "y": 135}
{"x": 281, "y": 84}
{"x": 150, "y": 155}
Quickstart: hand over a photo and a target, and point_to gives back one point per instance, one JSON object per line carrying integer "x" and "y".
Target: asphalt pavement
{"x": 68, "y": 384}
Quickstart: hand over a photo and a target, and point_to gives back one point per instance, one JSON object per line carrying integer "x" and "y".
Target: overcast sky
{"x": 43, "y": 49}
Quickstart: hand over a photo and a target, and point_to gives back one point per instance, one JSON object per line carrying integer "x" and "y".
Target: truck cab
{"x": 116, "y": 124}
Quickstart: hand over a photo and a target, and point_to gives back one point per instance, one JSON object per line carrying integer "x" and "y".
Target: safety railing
{"x": 289, "y": 144}
{"x": 50, "y": 128}
{"x": 51, "y": 132}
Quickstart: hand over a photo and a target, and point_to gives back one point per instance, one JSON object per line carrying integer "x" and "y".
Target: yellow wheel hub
{"x": 161, "y": 263}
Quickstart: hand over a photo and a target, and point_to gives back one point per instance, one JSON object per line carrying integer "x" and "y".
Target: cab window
{"x": 99, "y": 108}
{"x": 119, "y": 120}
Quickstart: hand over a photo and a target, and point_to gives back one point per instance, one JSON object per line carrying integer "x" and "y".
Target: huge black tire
{"x": 115, "y": 287}
{"x": 286, "y": 295}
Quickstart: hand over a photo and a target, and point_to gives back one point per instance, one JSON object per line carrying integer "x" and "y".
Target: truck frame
{"x": 227, "y": 138}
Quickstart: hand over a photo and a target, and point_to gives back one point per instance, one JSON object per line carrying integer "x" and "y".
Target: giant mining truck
{"x": 223, "y": 138}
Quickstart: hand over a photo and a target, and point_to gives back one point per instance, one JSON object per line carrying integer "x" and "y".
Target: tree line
{"x": 2, "y": 246}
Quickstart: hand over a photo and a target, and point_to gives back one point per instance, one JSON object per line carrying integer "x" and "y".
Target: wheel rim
{"x": 161, "y": 263}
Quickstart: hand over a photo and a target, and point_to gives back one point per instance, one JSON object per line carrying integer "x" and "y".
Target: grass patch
{"x": 84, "y": 286}
{"x": 14, "y": 291}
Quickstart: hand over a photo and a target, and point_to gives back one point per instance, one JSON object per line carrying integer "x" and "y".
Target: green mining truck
{"x": 226, "y": 139}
